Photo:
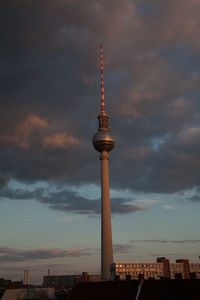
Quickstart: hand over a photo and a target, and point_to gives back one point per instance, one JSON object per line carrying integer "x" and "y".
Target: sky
{"x": 49, "y": 103}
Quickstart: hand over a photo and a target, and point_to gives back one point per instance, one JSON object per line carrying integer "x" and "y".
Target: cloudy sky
{"x": 50, "y": 99}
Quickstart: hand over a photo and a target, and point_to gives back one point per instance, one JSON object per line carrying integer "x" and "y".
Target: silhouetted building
{"x": 132, "y": 289}
{"x": 5, "y": 282}
{"x": 105, "y": 290}
{"x": 30, "y": 293}
{"x": 67, "y": 281}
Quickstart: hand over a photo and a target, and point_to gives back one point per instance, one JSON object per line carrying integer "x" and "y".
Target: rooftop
{"x": 126, "y": 290}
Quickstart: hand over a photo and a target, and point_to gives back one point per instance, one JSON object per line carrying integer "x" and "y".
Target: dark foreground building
{"x": 68, "y": 281}
{"x": 133, "y": 290}
{"x": 105, "y": 290}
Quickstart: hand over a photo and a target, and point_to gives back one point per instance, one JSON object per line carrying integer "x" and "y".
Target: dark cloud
{"x": 149, "y": 241}
{"x": 121, "y": 206}
{"x": 195, "y": 198}
{"x": 165, "y": 241}
{"x": 167, "y": 254}
{"x": 49, "y": 89}
{"x": 16, "y": 255}
{"x": 3, "y": 181}
{"x": 171, "y": 168}
{"x": 12, "y": 254}
{"x": 68, "y": 201}
{"x": 122, "y": 248}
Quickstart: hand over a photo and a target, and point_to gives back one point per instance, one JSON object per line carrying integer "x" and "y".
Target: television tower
{"x": 103, "y": 142}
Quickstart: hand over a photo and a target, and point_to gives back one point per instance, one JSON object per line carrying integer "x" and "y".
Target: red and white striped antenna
{"x": 102, "y": 84}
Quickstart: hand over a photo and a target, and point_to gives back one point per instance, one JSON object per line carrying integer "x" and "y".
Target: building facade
{"x": 162, "y": 268}
{"x": 67, "y": 281}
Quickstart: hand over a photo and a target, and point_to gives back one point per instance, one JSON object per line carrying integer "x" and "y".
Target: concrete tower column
{"x": 106, "y": 230}
{"x": 103, "y": 142}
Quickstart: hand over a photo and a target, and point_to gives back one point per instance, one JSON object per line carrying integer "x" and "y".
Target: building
{"x": 31, "y": 294}
{"x": 134, "y": 269}
{"x": 68, "y": 281}
{"x": 7, "y": 283}
{"x": 104, "y": 143}
{"x": 132, "y": 289}
{"x": 105, "y": 290}
{"x": 64, "y": 281}
{"x": 195, "y": 270}
{"x": 162, "y": 268}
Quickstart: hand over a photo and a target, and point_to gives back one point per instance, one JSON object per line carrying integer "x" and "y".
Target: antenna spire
{"x": 102, "y": 84}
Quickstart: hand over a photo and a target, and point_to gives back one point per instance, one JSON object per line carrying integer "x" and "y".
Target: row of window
{"x": 140, "y": 270}
{"x": 126, "y": 272}
{"x": 146, "y": 273}
{"x": 136, "y": 277}
{"x": 195, "y": 265}
{"x": 175, "y": 265}
{"x": 138, "y": 266}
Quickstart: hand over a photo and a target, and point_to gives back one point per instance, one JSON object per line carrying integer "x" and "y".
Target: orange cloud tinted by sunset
{"x": 34, "y": 130}
{"x": 59, "y": 140}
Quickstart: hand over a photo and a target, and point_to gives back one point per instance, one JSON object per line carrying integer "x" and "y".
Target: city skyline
{"x": 50, "y": 187}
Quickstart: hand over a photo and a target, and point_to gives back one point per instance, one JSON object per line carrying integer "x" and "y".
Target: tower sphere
{"x": 103, "y": 141}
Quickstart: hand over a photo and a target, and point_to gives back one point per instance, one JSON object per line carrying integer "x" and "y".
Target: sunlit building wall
{"x": 181, "y": 269}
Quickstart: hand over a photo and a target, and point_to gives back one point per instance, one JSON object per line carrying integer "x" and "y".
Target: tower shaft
{"x": 103, "y": 142}
{"x": 106, "y": 230}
